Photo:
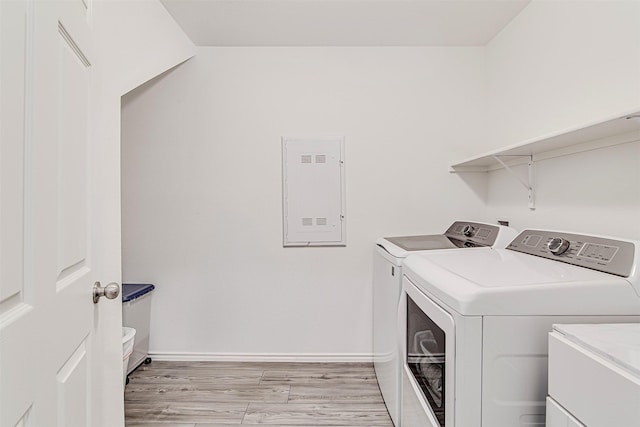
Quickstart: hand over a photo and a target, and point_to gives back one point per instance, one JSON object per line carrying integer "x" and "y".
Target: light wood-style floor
{"x": 218, "y": 394}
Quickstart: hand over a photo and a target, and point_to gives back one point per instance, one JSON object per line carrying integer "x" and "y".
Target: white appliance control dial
{"x": 558, "y": 245}
{"x": 468, "y": 230}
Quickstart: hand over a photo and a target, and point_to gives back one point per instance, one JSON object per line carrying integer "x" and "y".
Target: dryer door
{"x": 429, "y": 355}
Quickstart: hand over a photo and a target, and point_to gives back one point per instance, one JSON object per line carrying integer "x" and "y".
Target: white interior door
{"x": 53, "y": 369}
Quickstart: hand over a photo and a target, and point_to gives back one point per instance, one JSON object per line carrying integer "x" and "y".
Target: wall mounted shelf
{"x": 621, "y": 129}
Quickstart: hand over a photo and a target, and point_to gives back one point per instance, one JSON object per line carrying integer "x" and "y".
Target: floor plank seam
{"x": 246, "y": 409}
{"x": 210, "y": 394}
{"x": 289, "y": 394}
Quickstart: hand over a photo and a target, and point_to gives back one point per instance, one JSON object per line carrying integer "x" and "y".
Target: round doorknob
{"x": 111, "y": 291}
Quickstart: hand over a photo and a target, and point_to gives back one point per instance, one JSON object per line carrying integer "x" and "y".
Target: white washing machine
{"x": 594, "y": 375}
{"x": 387, "y": 283}
{"x": 475, "y": 323}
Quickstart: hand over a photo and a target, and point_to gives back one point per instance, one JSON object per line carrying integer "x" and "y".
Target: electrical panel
{"x": 313, "y": 192}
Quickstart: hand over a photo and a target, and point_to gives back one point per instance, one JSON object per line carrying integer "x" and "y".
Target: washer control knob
{"x": 468, "y": 230}
{"x": 558, "y": 245}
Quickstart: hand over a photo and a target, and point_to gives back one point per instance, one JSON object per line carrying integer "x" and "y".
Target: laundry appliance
{"x": 387, "y": 283}
{"x": 594, "y": 375}
{"x": 475, "y": 323}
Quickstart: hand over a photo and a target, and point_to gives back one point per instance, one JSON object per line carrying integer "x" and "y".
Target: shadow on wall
{"x": 477, "y": 182}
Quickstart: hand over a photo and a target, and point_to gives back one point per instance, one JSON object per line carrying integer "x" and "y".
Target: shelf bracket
{"x": 528, "y": 184}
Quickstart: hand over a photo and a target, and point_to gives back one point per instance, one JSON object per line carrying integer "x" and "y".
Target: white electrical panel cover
{"x": 313, "y": 192}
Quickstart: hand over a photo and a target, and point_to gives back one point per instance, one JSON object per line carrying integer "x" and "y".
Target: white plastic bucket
{"x": 128, "y": 337}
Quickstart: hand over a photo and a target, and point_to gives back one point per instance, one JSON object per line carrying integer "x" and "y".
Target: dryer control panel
{"x": 472, "y": 233}
{"x": 597, "y": 253}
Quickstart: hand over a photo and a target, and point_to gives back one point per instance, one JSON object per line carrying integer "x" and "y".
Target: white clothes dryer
{"x": 387, "y": 283}
{"x": 475, "y": 323}
{"x": 594, "y": 375}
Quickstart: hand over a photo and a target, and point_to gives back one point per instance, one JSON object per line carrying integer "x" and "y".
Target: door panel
{"x": 13, "y": 42}
{"x": 24, "y": 419}
{"x": 16, "y": 311}
{"x": 72, "y": 381}
{"x": 47, "y": 230}
{"x": 73, "y": 100}
{"x": 74, "y": 272}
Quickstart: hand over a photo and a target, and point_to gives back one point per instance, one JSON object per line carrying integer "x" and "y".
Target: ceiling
{"x": 343, "y": 22}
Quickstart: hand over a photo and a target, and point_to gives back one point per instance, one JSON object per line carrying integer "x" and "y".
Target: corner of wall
{"x": 140, "y": 40}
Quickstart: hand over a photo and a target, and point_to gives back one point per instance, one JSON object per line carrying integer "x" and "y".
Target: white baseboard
{"x": 260, "y": 357}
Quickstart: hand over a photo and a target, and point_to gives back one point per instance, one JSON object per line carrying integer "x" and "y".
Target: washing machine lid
{"x": 403, "y": 246}
{"x": 461, "y": 234}
{"x": 485, "y": 281}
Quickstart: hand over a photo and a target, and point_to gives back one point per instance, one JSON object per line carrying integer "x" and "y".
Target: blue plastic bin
{"x": 136, "y": 313}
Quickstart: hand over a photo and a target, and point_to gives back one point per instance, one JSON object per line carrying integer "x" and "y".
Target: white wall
{"x": 594, "y": 192}
{"x": 141, "y": 41}
{"x": 121, "y": 59}
{"x": 202, "y": 188}
{"x": 558, "y": 65}
{"x": 562, "y": 64}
